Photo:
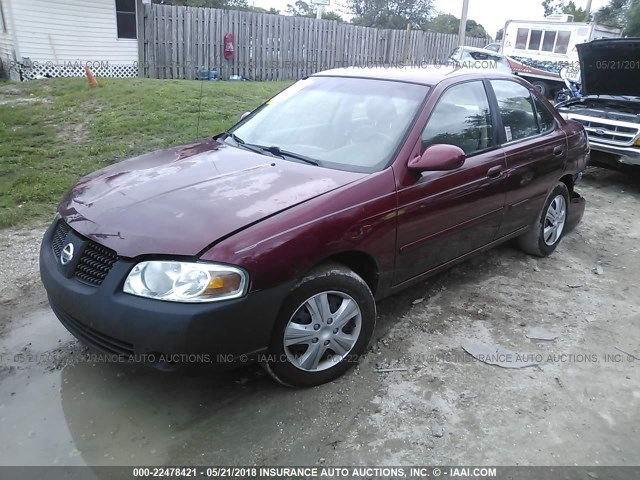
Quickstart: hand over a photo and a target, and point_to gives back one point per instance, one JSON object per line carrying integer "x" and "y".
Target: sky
{"x": 492, "y": 14}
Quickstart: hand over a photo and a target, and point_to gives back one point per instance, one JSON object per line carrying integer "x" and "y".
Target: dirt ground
{"x": 416, "y": 398}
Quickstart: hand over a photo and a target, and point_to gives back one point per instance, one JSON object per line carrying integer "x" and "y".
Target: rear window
{"x": 516, "y": 109}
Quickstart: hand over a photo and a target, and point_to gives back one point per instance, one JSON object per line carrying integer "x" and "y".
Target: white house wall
{"x": 6, "y": 40}
{"x": 59, "y": 37}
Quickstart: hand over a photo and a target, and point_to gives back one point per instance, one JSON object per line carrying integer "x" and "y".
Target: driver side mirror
{"x": 437, "y": 158}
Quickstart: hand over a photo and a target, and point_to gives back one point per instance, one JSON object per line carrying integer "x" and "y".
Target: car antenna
{"x": 199, "y": 108}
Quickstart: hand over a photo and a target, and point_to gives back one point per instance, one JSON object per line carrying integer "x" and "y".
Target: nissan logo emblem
{"x": 67, "y": 254}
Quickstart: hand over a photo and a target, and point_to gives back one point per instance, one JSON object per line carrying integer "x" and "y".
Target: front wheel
{"x": 545, "y": 234}
{"x": 323, "y": 327}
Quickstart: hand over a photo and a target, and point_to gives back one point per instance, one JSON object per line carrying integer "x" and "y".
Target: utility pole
{"x": 319, "y": 10}
{"x": 463, "y": 23}
{"x": 588, "y": 10}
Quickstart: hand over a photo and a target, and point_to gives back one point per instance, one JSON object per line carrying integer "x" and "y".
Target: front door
{"x": 445, "y": 214}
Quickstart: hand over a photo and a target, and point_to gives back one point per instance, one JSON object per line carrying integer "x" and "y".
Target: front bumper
{"x": 627, "y": 155}
{"x": 120, "y": 324}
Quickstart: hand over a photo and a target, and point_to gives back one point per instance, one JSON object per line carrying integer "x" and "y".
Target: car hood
{"x": 180, "y": 200}
{"x": 609, "y": 66}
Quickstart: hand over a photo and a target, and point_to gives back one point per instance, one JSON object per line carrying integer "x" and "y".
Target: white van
{"x": 538, "y": 50}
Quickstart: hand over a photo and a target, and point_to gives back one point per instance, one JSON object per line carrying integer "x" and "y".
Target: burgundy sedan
{"x": 273, "y": 241}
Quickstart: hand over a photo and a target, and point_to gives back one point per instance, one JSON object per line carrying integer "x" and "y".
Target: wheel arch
{"x": 569, "y": 181}
{"x": 360, "y": 262}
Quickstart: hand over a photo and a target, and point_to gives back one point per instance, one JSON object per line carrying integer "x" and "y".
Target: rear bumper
{"x": 576, "y": 208}
{"x": 117, "y": 323}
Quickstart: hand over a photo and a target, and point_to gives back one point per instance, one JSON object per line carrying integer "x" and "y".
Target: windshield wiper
{"x": 276, "y": 150}
{"x": 273, "y": 150}
{"x": 235, "y": 138}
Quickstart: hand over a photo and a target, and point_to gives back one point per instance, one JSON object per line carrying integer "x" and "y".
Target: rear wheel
{"x": 545, "y": 234}
{"x": 323, "y": 327}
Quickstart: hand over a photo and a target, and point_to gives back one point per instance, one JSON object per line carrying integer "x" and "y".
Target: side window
{"x": 534, "y": 39}
{"x": 461, "y": 118}
{"x": 521, "y": 38}
{"x": 562, "y": 43}
{"x": 516, "y": 109}
{"x": 546, "y": 122}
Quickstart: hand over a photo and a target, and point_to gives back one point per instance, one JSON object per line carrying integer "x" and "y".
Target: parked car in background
{"x": 272, "y": 241}
{"x": 493, "y": 47}
{"x": 609, "y": 108}
{"x": 478, "y": 58}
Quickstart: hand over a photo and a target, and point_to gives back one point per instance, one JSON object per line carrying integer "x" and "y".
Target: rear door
{"x": 535, "y": 148}
{"x": 445, "y": 214}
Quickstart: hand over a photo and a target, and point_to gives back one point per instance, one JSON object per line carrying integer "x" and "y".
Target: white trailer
{"x": 537, "y": 50}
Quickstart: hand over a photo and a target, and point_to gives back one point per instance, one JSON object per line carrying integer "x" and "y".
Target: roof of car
{"x": 428, "y": 75}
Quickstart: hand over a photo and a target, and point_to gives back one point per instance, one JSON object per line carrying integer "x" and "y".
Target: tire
{"x": 544, "y": 235}
{"x": 312, "y": 332}
{"x": 542, "y": 87}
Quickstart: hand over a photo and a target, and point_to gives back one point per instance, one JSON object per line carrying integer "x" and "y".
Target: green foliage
{"x": 613, "y": 14}
{"x": 396, "y": 14}
{"x": 552, "y": 6}
{"x": 447, "y": 23}
{"x": 579, "y": 14}
{"x": 303, "y": 9}
{"x": 55, "y": 131}
{"x": 632, "y": 27}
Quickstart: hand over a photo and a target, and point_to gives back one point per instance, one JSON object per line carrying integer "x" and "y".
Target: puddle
{"x": 124, "y": 414}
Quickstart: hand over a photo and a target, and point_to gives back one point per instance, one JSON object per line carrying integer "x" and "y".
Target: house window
{"x": 126, "y": 18}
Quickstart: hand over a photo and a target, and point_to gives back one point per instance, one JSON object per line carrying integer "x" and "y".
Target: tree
{"x": 303, "y": 9}
{"x": 474, "y": 29}
{"x": 444, "y": 23}
{"x": 579, "y": 14}
{"x": 632, "y": 28}
{"x": 395, "y": 14}
{"x": 447, "y": 23}
{"x": 552, "y": 6}
{"x": 613, "y": 14}
{"x": 272, "y": 11}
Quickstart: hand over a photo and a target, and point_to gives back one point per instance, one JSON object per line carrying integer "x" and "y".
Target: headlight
{"x": 186, "y": 281}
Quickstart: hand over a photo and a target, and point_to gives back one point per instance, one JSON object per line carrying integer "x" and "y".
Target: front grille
{"x": 611, "y": 131}
{"x": 92, "y": 337}
{"x": 59, "y": 235}
{"x": 95, "y": 263}
{"x": 95, "y": 260}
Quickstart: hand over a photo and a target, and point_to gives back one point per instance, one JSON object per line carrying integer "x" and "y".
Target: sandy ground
{"x": 580, "y": 405}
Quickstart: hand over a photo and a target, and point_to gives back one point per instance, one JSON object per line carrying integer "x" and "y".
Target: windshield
{"x": 345, "y": 123}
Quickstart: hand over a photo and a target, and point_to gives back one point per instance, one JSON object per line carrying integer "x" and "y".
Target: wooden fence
{"x": 175, "y": 41}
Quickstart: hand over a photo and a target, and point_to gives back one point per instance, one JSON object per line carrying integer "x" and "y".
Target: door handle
{"x": 557, "y": 151}
{"x": 494, "y": 172}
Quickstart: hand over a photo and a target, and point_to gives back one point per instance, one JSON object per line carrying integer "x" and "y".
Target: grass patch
{"x": 54, "y": 131}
